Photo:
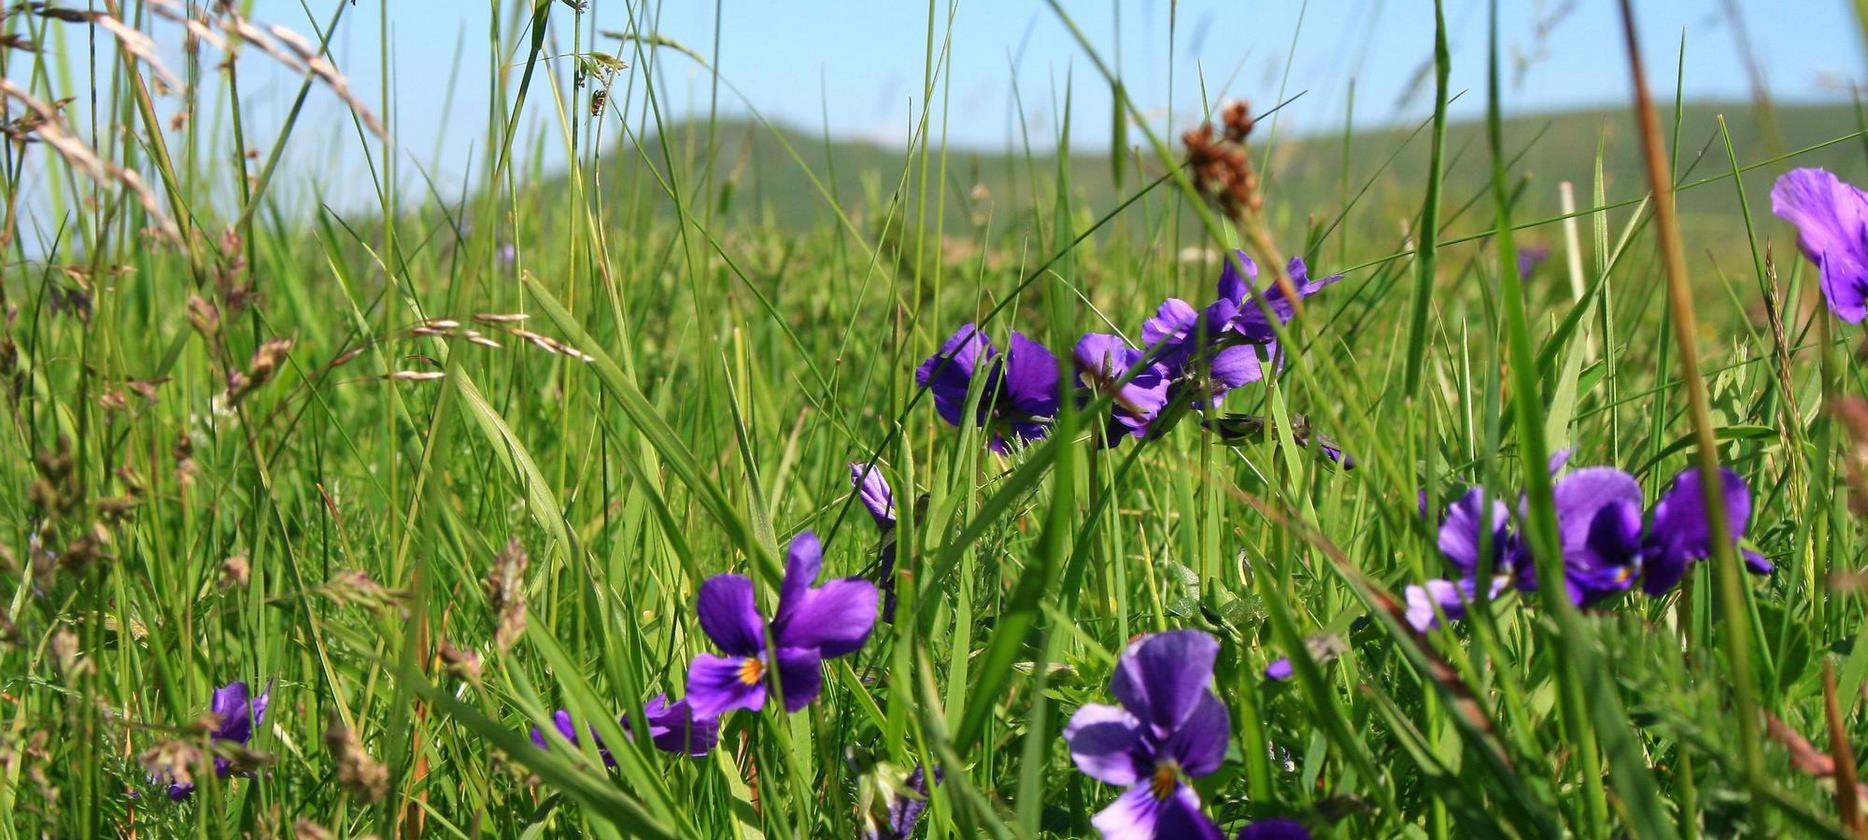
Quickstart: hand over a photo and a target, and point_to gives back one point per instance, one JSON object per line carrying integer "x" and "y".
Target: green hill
{"x": 755, "y": 178}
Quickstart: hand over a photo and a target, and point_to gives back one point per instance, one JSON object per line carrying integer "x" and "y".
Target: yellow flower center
{"x": 751, "y": 671}
{"x": 1166, "y": 778}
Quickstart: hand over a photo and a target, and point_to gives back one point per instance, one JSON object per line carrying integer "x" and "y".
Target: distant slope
{"x": 756, "y": 178}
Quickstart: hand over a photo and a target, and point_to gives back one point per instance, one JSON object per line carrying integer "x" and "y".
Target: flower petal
{"x": 1236, "y": 366}
{"x": 1199, "y": 743}
{"x": 1173, "y": 319}
{"x": 730, "y": 617}
{"x": 874, "y": 492}
{"x": 1163, "y": 677}
{"x": 675, "y": 728}
{"x": 1466, "y": 525}
{"x": 1234, "y": 286}
{"x": 1031, "y": 377}
{"x": 1275, "y": 828}
{"x": 1280, "y": 669}
{"x": 232, "y": 707}
{"x": 835, "y": 619}
{"x": 1832, "y": 224}
{"x": 800, "y": 676}
{"x": 948, "y": 372}
{"x": 715, "y": 685}
{"x": 1680, "y": 534}
{"x": 804, "y": 561}
{"x": 1105, "y": 742}
{"x": 1138, "y": 815}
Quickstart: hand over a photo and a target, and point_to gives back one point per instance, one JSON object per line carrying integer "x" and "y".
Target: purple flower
{"x": 1530, "y": 257}
{"x": 810, "y": 625}
{"x": 1452, "y": 597}
{"x": 1679, "y": 533}
{"x": 903, "y": 802}
{"x": 673, "y": 727}
{"x": 1475, "y": 526}
{"x": 1170, "y": 728}
{"x": 1103, "y": 362}
{"x": 1471, "y": 522}
{"x": 1599, "y": 526}
{"x": 1279, "y": 670}
{"x": 1832, "y": 229}
{"x": 1018, "y": 395}
{"x": 236, "y": 712}
{"x": 874, "y": 490}
{"x": 1251, "y": 319}
{"x": 1225, "y": 337}
{"x": 561, "y": 721}
{"x": 1275, "y": 828}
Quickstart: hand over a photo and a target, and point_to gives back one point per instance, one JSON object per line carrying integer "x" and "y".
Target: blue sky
{"x": 856, "y": 65}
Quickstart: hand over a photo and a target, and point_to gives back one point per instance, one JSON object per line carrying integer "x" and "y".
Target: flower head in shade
{"x": 1107, "y": 365}
{"x": 1018, "y": 392}
{"x": 236, "y": 712}
{"x": 784, "y": 656}
{"x": 1679, "y": 533}
{"x": 1599, "y": 525}
{"x": 1832, "y": 230}
{"x": 1275, "y": 828}
{"x": 673, "y": 727}
{"x": 891, "y": 802}
{"x": 1171, "y": 727}
{"x": 873, "y": 489}
{"x": 567, "y": 728}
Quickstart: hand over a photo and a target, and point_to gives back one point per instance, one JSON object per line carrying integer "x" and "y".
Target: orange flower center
{"x": 751, "y": 671}
{"x": 1166, "y": 778}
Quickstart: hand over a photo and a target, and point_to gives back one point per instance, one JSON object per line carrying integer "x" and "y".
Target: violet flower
{"x": 1170, "y": 727}
{"x": 567, "y": 728}
{"x": 810, "y": 625}
{"x": 236, "y": 713}
{"x": 1103, "y": 362}
{"x": 673, "y": 727}
{"x": 1680, "y": 534}
{"x": 899, "y": 803}
{"x": 1529, "y": 258}
{"x": 874, "y": 490}
{"x": 1832, "y": 230}
{"x": 1280, "y": 669}
{"x": 1275, "y": 828}
{"x": 1224, "y": 338}
{"x": 1599, "y": 526}
{"x": 676, "y": 728}
{"x": 1469, "y": 523}
{"x": 1018, "y": 396}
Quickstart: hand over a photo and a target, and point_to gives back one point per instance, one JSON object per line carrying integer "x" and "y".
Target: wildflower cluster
{"x": 1188, "y": 360}
{"x": 1608, "y": 545}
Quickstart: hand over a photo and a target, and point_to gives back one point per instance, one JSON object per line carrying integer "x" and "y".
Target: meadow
{"x": 1226, "y": 485}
